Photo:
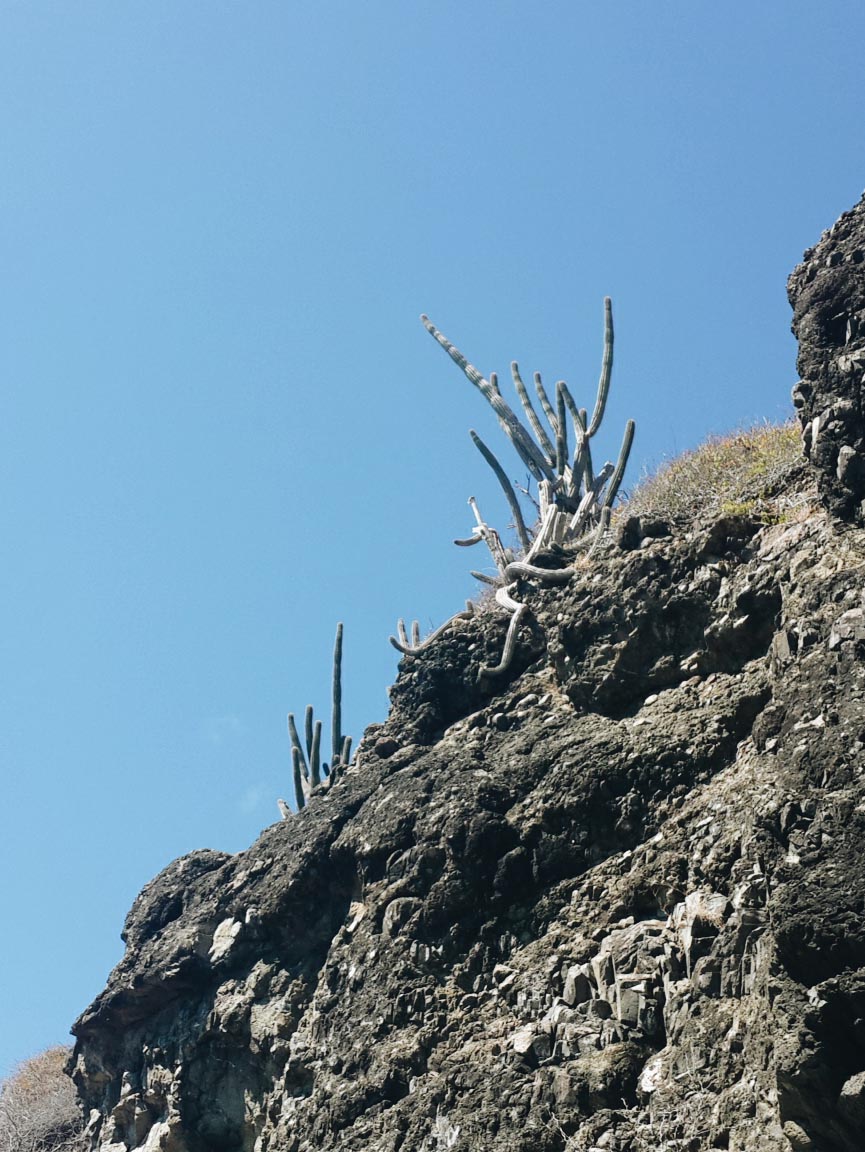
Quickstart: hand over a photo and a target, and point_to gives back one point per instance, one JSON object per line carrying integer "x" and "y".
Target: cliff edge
{"x": 611, "y": 899}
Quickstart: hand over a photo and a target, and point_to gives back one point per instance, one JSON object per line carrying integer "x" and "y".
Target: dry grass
{"x": 746, "y": 472}
{"x": 38, "y": 1107}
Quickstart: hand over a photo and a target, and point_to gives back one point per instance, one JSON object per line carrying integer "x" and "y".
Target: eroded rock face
{"x": 827, "y": 292}
{"x": 616, "y": 905}
{"x": 610, "y": 901}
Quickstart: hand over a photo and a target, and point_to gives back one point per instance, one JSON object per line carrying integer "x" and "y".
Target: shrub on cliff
{"x": 745, "y": 472}
{"x": 38, "y": 1107}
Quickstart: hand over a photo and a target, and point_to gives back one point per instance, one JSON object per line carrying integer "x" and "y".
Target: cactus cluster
{"x": 308, "y": 769}
{"x": 573, "y": 500}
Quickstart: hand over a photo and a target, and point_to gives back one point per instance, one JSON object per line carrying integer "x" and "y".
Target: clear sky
{"x": 224, "y": 429}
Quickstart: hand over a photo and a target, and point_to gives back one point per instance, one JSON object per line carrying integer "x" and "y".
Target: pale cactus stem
{"x": 529, "y": 453}
{"x": 415, "y": 633}
{"x": 490, "y": 537}
{"x": 510, "y": 643}
{"x": 549, "y": 411}
{"x": 533, "y": 418}
{"x": 621, "y": 465}
{"x": 606, "y": 369}
{"x": 507, "y": 487}
{"x": 519, "y": 569}
{"x": 409, "y": 650}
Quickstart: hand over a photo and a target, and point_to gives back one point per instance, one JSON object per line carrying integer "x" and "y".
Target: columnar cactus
{"x": 308, "y": 771}
{"x": 572, "y": 500}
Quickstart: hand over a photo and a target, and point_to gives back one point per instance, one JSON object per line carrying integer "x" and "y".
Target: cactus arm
{"x": 494, "y": 383}
{"x": 537, "y": 426}
{"x": 582, "y": 514}
{"x": 415, "y": 634}
{"x": 484, "y": 579}
{"x": 345, "y": 754}
{"x": 520, "y": 611}
{"x": 520, "y": 569}
{"x": 586, "y": 454}
{"x": 544, "y": 532}
{"x": 314, "y": 760}
{"x": 468, "y": 543}
{"x": 606, "y": 369}
{"x": 561, "y": 430}
{"x": 307, "y": 729}
{"x": 407, "y": 650}
{"x": 507, "y": 487}
{"x": 624, "y": 453}
{"x": 295, "y": 743}
{"x": 489, "y": 536}
{"x": 529, "y": 453}
{"x": 299, "y": 782}
{"x": 336, "y": 714}
{"x": 549, "y": 412}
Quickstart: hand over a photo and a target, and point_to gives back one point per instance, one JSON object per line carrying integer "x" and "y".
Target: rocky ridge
{"x": 613, "y": 899}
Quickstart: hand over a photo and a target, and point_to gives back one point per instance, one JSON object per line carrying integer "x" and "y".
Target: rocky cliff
{"x": 612, "y": 899}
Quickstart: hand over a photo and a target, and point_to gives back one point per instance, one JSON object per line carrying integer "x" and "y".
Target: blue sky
{"x": 223, "y": 427}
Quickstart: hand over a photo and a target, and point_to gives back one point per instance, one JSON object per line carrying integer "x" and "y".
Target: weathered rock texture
{"x": 827, "y": 292}
{"x": 613, "y": 901}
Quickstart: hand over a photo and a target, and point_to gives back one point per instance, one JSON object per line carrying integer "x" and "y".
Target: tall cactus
{"x": 308, "y": 771}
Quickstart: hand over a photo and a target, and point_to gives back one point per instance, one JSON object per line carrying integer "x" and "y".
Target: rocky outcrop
{"x": 827, "y": 292}
{"x": 611, "y": 900}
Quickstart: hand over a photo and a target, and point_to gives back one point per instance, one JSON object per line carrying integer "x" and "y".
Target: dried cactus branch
{"x": 503, "y": 597}
{"x": 519, "y": 569}
{"x": 413, "y": 650}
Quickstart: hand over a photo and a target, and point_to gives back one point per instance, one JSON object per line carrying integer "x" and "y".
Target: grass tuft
{"x": 746, "y": 473}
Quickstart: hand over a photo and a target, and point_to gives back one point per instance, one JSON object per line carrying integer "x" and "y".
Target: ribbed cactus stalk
{"x": 336, "y": 714}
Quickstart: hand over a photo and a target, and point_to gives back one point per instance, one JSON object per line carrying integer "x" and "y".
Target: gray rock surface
{"x": 612, "y": 901}
{"x": 827, "y": 292}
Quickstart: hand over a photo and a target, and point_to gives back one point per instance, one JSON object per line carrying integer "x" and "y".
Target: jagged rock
{"x": 611, "y": 900}
{"x": 827, "y": 292}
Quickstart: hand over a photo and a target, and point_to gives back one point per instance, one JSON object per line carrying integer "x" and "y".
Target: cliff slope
{"x": 613, "y": 898}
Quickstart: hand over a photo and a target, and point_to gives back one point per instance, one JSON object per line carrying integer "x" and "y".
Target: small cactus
{"x": 308, "y": 771}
